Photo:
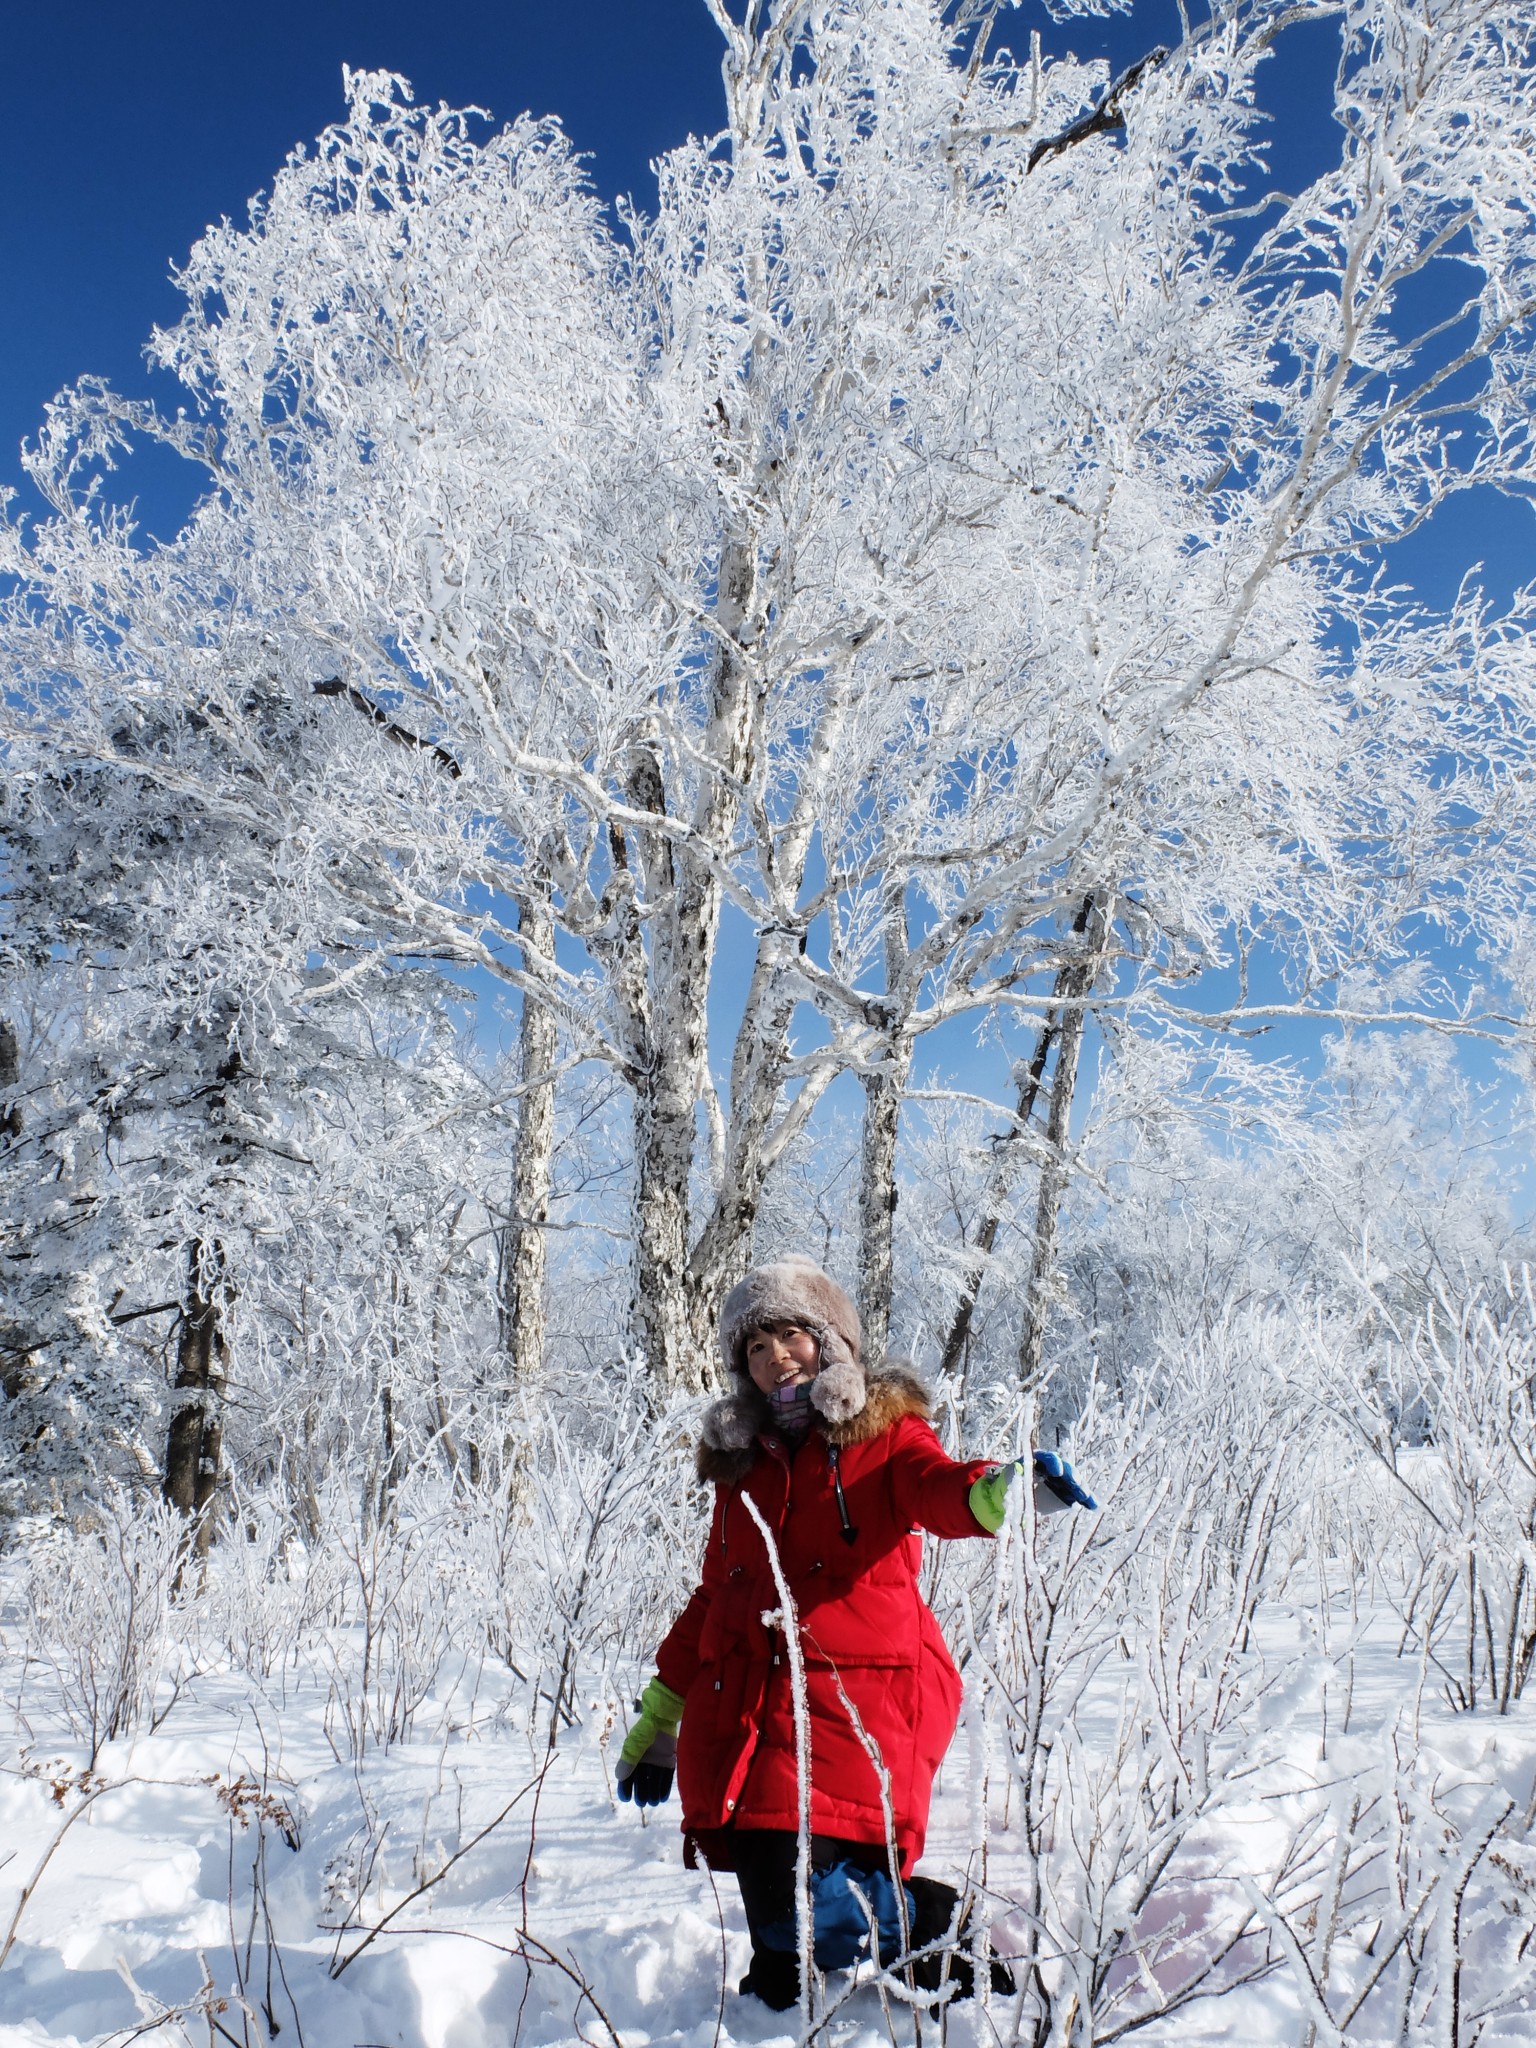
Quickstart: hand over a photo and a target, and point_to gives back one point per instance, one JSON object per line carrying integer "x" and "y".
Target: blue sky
{"x": 129, "y": 129}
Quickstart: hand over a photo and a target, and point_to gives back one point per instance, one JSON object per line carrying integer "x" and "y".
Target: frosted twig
{"x": 788, "y": 1622}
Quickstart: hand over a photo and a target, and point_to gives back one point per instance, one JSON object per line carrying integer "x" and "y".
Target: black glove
{"x": 649, "y": 1782}
{"x": 649, "y": 1755}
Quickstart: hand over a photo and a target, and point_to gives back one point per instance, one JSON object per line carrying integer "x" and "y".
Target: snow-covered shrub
{"x": 590, "y": 1553}
{"x": 1449, "y": 1412}
{"x": 103, "y": 1623}
{"x": 397, "y": 1627}
{"x": 1417, "y": 1921}
{"x": 265, "y": 1595}
{"x": 1146, "y": 1829}
{"x": 1116, "y": 1693}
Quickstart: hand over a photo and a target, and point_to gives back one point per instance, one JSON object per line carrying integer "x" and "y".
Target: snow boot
{"x": 774, "y": 1978}
{"x": 933, "y": 1912}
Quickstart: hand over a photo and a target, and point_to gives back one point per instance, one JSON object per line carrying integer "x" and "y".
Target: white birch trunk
{"x": 724, "y": 1249}
{"x": 1073, "y": 979}
{"x": 524, "y": 1252}
{"x": 885, "y": 1087}
{"x": 682, "y": 886}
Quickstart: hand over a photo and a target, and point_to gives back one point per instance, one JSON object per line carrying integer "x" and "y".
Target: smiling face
{"x": 781, "y": 1355}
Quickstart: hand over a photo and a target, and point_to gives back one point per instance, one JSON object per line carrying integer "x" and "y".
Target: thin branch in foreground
{"x": 46, "y": 1858}
{"x": 340, "y": 1962}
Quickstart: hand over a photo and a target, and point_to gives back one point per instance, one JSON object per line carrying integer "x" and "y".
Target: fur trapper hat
{"x": 796, "y": 1290}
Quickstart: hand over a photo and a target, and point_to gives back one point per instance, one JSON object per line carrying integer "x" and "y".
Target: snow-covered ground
{"x": 1232, "y": 1766}
{"x": 217, "y": 1878}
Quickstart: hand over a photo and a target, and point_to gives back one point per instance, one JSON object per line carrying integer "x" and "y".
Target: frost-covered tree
{"x": 946, "y": 537}
{"x": 197, "y": 1108}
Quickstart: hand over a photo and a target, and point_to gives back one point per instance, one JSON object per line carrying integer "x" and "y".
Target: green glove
{"x": 649, "y": 1754}
{"x": 988, "y": 1496}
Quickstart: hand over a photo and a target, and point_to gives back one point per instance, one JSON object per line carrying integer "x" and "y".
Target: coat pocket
{"x": 872, "y": 1625}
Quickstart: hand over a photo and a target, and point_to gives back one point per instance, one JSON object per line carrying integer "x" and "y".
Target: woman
{"x": 843, "y": 1468}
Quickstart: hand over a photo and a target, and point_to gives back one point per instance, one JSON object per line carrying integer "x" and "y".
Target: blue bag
{"x": 843, "y": 1895}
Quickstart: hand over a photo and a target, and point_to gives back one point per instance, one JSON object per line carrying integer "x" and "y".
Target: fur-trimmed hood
{"x": 852, "y": 1406}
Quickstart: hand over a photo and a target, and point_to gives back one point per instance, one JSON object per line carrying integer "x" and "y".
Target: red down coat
{"x": 864, "y": 1626}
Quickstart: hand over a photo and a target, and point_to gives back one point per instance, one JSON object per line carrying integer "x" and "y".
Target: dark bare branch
{"x": 402, "y": 736}
{"x": 1106, "y": 116}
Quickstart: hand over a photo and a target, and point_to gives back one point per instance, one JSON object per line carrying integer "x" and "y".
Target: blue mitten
{"x": 1054, "y": 1473}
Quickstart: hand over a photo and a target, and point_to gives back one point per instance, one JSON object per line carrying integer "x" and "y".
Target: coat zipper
{"x": 834, "y": 1461}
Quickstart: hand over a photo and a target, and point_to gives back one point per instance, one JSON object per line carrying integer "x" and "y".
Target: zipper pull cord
{"x": 850, "y": 1533}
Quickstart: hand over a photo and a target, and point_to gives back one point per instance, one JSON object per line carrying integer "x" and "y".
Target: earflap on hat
{"x": 731, "y": 1424}
{"x": 838, "y": 1391}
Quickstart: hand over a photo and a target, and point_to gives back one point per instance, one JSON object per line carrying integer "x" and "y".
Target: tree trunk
{"x": 724, "y": 1248}
{"x": 393, "y": 1470}
{"x": 194, "y": 1440}
{"x": 16, "y": 1341}
{"x": 10, "y": 1074}
{"x": 885, "y": 1086}
{"x": 670, "y": 1022}
{"x": 755, "y": 1139}
{"x": 1053, "y": 1181}
{"x": 524, "y": 1242}
{"x": 682, "y": 890}
{"x": 1055, "y": 1173}
{"x": 1000, "y": 1181}
{"x": 1073, "y": 979}
{"x": 660, "y": 1300}
{"x": 884, "y": 1089}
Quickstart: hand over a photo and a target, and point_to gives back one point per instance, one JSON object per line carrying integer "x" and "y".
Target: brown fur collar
{"x": 728, "y": 1446}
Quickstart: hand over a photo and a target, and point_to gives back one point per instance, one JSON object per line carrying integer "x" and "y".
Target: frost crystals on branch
{"x": 967, "y": 497}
